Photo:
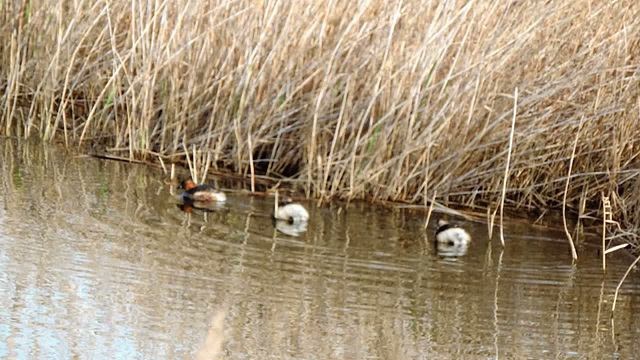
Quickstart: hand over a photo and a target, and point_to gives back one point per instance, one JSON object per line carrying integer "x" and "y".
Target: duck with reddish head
{"x": 193, "y": 192}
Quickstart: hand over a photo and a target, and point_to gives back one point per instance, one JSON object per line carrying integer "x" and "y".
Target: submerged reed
{"x": 385, "y": 100}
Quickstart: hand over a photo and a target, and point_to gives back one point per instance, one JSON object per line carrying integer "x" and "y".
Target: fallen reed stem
{"x": 615, "y": 296}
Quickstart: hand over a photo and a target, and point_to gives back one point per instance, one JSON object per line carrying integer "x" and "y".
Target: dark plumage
{"x": 200, "y": 193}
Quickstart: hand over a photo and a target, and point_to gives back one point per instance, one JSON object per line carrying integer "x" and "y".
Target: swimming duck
{"x": 200, "y": 193}
{"x": 289, "y": 211}
{"x": 451, "y": 234}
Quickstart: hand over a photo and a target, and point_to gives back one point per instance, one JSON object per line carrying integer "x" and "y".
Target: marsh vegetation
{"x": 385, "y": 100}
{"x": 98, "y": 262}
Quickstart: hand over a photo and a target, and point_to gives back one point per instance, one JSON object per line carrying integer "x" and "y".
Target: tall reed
{"x": 349, "y": 99}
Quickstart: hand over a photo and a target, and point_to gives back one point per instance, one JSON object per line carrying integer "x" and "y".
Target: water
{"x": 97, "y": 261}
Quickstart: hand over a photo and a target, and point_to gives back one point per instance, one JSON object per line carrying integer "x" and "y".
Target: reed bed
{"x": 384, "y": 100}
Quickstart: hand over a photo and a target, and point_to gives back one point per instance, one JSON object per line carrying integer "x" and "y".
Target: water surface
{"x": 97, "y": 261}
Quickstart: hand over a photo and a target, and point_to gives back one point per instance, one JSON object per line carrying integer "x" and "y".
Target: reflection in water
{"x": 96, "y": 261}
{"x": 291, "y": 228}
{"x": 199, "y": 207}
{"x": 451, "y": 249}
{"x": 212, "y": 347}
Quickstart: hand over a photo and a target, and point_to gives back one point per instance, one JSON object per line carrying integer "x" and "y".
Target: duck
{"x": 193, "y": 192}
{"x": 289, "y": 211}
{"x": 451, "y": 234}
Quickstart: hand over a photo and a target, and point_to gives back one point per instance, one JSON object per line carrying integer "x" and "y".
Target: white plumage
{"x": 452, "y": 234}
{"x": 291, "y": 212}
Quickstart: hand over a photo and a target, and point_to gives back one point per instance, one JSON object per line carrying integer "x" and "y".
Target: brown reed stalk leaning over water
{"x": 345, "y": 98}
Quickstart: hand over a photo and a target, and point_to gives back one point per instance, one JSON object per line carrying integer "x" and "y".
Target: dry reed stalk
{"x": 606, "y": 216}
{"x": 275, "y": 203}
{"x": 251, "y": 166}
{"x": 335, "y": 138}
{"x": 608, "y": 220}
{"x": 615, "y": 296}
{"x": 164, "y": 168}
{"x": 206, "y": 167}
{"x": 194, "y": 174}
{"x": 506, "y": 170}
{"x": 574, "y": 255}
{"x": 617, "y": 247}
{"x": 430, "y": 211}
{"x": 191, "y": 168}
{"x": 491, "y": 218}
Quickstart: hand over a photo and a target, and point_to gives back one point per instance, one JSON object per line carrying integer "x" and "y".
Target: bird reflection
{"x": 451, "y": 249}
{"x": 195, "y": 207}
{"x": 290, "y": 228}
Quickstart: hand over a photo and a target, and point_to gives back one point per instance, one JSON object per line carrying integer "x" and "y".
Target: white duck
{"x": 289, "y": 211}
{"x": 452, "y": 234}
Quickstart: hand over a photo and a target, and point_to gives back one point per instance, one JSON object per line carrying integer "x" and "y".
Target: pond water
{"x": 97, "y": 261}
